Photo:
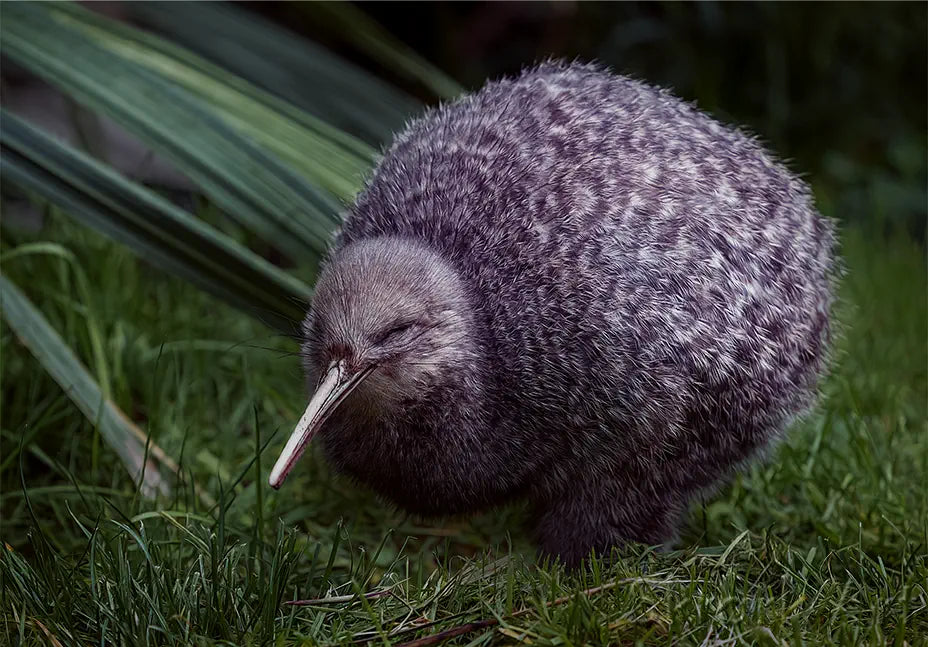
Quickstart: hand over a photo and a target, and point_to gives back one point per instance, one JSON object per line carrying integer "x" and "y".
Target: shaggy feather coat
{"x": 640, "y": 298}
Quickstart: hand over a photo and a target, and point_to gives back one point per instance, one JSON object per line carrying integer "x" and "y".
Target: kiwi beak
{"x": 336, "y": 384}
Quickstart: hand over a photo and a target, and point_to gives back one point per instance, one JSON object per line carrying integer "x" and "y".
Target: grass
{"x": 826, "y": 543}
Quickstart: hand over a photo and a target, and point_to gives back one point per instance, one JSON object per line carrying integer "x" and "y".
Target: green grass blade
{"x": 231, "y": 144}
{"x": 120, "y": 433}
{"x": 156, "y": 230}
{"x": 286, "y": 65}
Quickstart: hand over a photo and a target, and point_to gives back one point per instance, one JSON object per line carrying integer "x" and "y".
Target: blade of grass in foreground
{"x": 124, "y": 437}
{"x": 156, "y": 230}
{"x": 228, "y": 142}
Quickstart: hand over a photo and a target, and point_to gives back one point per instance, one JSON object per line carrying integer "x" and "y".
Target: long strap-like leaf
{"x": 281, "y": 62}
{"x": 124, "y": 437}
{"x": 215, "y": 131}
{"x": 156, "y": 230}
{"x": 321, "y": 152}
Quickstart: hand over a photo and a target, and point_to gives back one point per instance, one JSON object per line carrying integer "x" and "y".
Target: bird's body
{"x": 615, "y": 301}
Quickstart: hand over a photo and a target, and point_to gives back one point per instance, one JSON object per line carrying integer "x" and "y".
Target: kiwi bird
{"x": 570, "y": 288}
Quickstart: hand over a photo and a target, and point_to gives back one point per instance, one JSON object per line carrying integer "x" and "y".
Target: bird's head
{"x": 389, "y": 322}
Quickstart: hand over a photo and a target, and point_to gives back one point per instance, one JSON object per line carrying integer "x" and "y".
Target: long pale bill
{"x": 335, "y": 385}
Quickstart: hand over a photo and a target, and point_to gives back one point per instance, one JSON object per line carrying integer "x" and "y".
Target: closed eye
{"x": 393, "y": 331}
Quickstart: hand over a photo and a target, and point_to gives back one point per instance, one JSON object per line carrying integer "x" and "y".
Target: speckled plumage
{"x": 615, "y": 299}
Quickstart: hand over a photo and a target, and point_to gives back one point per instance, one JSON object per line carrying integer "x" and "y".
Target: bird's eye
{"x": 394, "y": 331}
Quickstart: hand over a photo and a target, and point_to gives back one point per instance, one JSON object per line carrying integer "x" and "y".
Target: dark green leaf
{"x": 226, "y": 135}
{"x": 155, "y": 229}
{"x": 120, "y": 433}
{"x": 279, "y": 61}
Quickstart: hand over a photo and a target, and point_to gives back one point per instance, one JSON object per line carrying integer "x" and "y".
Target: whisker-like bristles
{"x": 243, "y": 342}
{"x": 280, "y": 351}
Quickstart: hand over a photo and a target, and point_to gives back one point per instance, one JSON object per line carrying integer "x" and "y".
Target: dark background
{"x": 837, "y": 89}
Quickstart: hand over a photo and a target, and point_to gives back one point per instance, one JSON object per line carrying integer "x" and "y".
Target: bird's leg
{"x": 598, "y": 516}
